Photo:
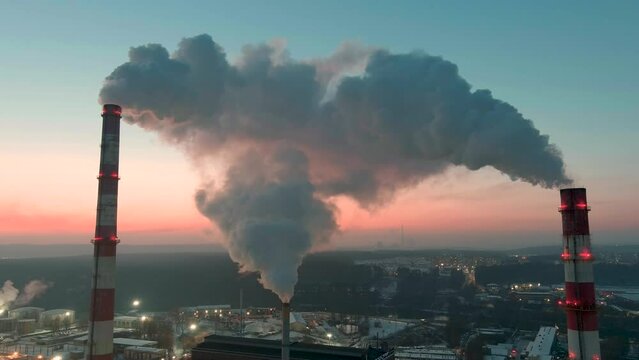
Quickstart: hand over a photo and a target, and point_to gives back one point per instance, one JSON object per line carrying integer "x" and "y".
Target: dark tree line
{"x": 553, "y": 273}
{"x": 417, "y": 291}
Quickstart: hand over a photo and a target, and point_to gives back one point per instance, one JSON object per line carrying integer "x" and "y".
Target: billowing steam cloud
{"x": 363, "y": 122}
{"x": 32, "y": 290}
{"x": 9, "y": 295}
{"x": 269, "y": 212}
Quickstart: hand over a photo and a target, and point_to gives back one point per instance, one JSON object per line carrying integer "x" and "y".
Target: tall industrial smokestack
{"x": 100, "y": 344}
{"x": 286, "y": 330}
{"x": 580, "y": 306}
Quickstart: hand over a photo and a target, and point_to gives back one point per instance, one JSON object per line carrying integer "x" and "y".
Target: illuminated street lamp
{"x": 135, "y": 303}
{"x": 329, "y": 336}
{"x": 193, "y": 327}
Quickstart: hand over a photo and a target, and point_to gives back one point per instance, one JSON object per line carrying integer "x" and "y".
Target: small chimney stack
{"x": 286, "y": 330}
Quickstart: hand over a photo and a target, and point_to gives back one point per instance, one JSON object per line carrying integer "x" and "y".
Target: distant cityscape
{"x": 418, "y": 304}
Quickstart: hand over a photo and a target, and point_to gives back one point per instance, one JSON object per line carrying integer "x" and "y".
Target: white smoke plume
{"x": 366, "y": 123}
{"x": 10, "y": 296}
{"x": 270, "y": 215}
{"x": 32, "y": 290}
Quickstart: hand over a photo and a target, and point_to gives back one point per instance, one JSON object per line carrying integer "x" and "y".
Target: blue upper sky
{"x": 565, "y": 64}
{"x": 570, "y": 66}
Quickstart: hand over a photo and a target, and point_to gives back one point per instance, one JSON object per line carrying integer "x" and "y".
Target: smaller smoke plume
{"x": 33, "y": 289}
{"x": 270, "y": 216}
{"x": 10, "y": 296}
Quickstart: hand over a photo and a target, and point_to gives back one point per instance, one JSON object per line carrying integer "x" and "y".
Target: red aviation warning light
{"x": 585, "y": 255}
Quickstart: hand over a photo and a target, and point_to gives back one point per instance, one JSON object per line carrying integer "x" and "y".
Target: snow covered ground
{"x": 384, "y": 327}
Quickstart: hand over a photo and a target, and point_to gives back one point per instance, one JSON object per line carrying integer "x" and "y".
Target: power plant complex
{"x": 220, "y": 332}
{"x": 579, "y": 302}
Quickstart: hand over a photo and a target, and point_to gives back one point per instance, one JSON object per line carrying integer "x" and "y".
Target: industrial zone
{"x": 220, "y": 332}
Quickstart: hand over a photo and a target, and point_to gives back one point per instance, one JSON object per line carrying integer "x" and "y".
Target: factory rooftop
{"x": 542, "y": 345}
{"x": 216, "y": 347}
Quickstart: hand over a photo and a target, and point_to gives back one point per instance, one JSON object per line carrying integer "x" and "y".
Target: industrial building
{"x": 501, "y": 351}
{"x": 216, "y": 347}
{"x": 205, "y": 309}
{"x": 26, "y": 326}
{"x": 8, "y": 325}
{"x": 126, "y": 322}
{"x": 541, "y": 347}
{"x": 144, "y": 353}
{"x": 27, "y": 312}
{"x": 57, "y": 318}
{"x": 432, "y": 352}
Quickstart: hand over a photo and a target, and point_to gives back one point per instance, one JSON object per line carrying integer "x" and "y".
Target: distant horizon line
{"x": 329, "y": 249}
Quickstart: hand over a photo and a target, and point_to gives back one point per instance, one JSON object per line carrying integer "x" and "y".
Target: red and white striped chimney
{"x": 100, "y": 344}
{"x": 580, "y": 305}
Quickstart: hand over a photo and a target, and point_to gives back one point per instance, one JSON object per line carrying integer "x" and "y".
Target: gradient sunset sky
{"x": 570, "y": 67}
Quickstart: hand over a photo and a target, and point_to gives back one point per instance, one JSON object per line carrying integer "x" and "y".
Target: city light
{"x": 135, "y": 303}
{"x": 193, "y": 327}
{"x": 57, "y": 357}
{"x": 68, "y": 313}
{"x": 143, "y": 318}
